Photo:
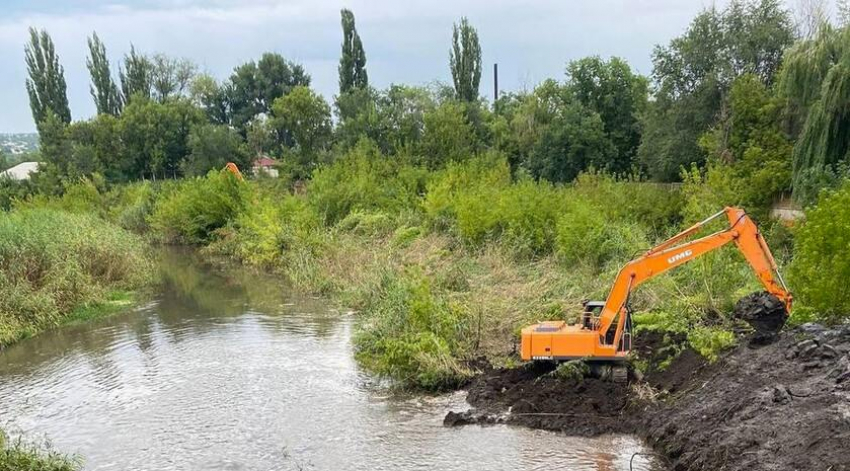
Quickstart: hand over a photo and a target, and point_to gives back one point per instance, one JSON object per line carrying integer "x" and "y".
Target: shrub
{"x": 20, "y": 456}
{"x": 479, "y": 178}
{"x": 191, "y": 210}
{"x": 528, "y": 213}
{"x": 821, "y": 267}
{"x": 585, "y": 236}
{"x": 52, "y": 262}
{"x": 412, "y": 335}
{"x": 477, "y": 201}
{"x": 270, "y": 230}
{"x": 405, "y": 235}
{"x": 367, "y": 181}
{"x": 632, "y": 200}
{"x": 711, "y": 341}
{"x": 363, "y": 223}
{"x": 573, "y": 370}
{"x": 131, "y": 205}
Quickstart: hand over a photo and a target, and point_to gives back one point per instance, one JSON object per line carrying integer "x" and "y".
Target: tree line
{"x": 742, "y": 99}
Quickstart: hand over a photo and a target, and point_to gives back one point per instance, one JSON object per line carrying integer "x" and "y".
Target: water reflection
{"x": 227, "y": 369}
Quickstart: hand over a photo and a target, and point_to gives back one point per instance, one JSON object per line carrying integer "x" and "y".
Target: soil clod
{"x": 764, "y": 312}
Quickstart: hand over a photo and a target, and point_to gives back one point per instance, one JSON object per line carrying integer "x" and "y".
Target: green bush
{"x": 477, "y": 201}
{"x": 631, "y": 200}
{"x": 131, "y": 205}
{"x": 412, "y": 335}
{"x": 464, "y": 184}
{"x": 52, "y": 262}
{"x": 585, "y": 236}
{"x": 711, "y": 341}
{"x": 364, "y": 223}
{"x": 193, "y": 209}
{"x": 573, "y": 370}
{"x": 820, "y": 272}
{"x": 405, "y": 235}
{"x": 367, "y": 181}
{"x": 269, "y": 230}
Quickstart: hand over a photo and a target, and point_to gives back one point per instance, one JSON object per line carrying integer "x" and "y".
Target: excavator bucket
{"x": 763, "y": 311}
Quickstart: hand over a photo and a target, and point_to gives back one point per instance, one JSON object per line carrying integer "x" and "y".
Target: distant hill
{"x": 18, "y": 144}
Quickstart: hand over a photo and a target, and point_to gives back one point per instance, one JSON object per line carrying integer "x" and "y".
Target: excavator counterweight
{"x": 604, "y": 332}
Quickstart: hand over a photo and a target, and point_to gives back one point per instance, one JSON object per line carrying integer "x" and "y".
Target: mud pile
{"x": 763, "y": 311}
{"x": 781, "y": 406}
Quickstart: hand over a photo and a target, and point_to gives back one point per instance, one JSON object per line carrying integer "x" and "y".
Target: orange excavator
{"x": 232, "y": 168}
{"x": 604, "y": 333}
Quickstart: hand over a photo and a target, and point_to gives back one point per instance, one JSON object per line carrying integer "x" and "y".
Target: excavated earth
{"x": 780, "y": 406}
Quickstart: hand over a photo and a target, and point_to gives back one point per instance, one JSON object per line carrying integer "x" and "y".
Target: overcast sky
{"x": 406, "y": 41}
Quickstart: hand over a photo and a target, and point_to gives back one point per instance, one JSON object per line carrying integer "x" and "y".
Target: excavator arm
{"x": 668, "y": 255}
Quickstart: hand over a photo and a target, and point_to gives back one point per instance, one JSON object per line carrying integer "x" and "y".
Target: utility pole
{"x": 495, "y": 82}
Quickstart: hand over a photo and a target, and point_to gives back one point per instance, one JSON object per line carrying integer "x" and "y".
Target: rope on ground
{"x": 649, "y": 453}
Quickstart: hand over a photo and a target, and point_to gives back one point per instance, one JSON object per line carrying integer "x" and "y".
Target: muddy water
{"x": 226, "y": 370}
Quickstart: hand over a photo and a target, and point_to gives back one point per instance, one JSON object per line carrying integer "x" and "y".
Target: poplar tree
{"x": 352, "y": 62}
{"x": 46, "y": 82}
{"x": 136, "y": 76}
{"x": 103, "y": 89}
{"x": 465, "y": 60}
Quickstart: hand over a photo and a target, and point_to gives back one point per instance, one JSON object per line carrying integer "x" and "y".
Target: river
{"x": 229, "y": 370}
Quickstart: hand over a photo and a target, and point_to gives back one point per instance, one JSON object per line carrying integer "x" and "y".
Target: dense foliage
{"x": 52, "y": 261}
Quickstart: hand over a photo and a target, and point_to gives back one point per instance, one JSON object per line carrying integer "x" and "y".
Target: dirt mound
{"x": 781, "y": 406}
{"x": 537, "y": 399}
{"x": 763, "y": 311}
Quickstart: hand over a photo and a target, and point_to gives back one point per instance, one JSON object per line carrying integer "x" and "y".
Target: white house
{"x": 22, "y": 171}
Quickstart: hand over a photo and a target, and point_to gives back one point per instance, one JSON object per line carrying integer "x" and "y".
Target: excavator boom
{"x": 594, "y": 340}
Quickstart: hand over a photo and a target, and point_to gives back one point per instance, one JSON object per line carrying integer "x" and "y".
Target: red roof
{"x": 264, "y": 162}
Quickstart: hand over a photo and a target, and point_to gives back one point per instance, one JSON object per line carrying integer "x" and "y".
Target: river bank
{"x": 781, "y": 406}
{"x": 58, "y": 267}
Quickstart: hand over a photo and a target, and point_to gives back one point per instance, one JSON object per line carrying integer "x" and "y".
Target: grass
{"x": 57, "y": 266}
{"x": 17, "y": 455}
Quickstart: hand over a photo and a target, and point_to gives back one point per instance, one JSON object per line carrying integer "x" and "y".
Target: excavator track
{"x": 620, "y": 374}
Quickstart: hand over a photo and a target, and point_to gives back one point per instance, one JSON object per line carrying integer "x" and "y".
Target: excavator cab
{"x": 591, "y": 310}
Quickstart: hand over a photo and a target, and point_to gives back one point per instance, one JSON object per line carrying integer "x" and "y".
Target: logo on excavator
{"x": 679, "y": 256}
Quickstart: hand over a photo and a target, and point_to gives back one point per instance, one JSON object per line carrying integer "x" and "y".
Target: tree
{"x": 465, "y": 60}
{"x": 694, "y": 72}
{"x": 170, "y": 76}
{"x": 155, "y": 137}
{"x": 810, "y": 15}
{"x": 573, "y": 142}
{"x": 103, "y": 89}
{"x": 136, "y": 76}
{"x": 393, "y": 118}
{"x": 207, "y": 94}
{"x": 352, "y": 62}
{"x": 306, "y": 117}
{"x": 843, "y": 7}
{"x": 447, "y": 135}
{"x": 212, "y": 147}
{"x": 618, "y": 95}
{"x": 254, "y": 86}
{"x": 815, "y": 84}
{"x": 46, "y": 82}
{"x": 821, "y": 260}
{"x": 750, "y": 147}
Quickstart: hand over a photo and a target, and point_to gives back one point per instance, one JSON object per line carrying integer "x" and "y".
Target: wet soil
{"x": 785, "y": 405}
